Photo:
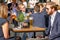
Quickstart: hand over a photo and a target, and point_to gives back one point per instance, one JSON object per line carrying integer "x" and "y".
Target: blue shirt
{"x": 38, "y": 20}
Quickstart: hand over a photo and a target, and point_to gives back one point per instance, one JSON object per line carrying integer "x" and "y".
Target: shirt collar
{"x": 54, "y": 13}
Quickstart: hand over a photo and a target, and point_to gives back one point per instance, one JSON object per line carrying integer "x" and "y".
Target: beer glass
{"x": 31, "y": 21}
{"x": 13, "y": 15}
{"x": 27, "y": 16}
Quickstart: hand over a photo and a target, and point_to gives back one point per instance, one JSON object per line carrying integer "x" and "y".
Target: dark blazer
{"x": 55, "y": 32}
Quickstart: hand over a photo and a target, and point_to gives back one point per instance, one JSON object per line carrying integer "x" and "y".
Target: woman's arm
{"x": 5, "y": 30}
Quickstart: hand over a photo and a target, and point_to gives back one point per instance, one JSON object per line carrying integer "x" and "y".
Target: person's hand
{"x": 46, "y": 37}
{"x": 13, "y": 16}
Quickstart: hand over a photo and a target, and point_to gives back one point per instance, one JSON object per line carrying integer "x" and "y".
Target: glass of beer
{"x": 31, "y": 21}
{"x": 27, "y": 16}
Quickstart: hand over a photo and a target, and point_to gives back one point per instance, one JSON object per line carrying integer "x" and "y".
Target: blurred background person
{"x": 38, "y": 21}
{"x": 24, "y": 2}
{"x": 36, "y": 9}
{"x": 21, "y": 12}
{"x": 43, "y": 11}
{"x": 38, "y": 4}
{"x": 21, "y": 18}
{"x": 11, "y": 6}
{"x": 13, "y": 13}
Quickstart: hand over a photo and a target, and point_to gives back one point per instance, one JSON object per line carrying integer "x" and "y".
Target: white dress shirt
{"x": 52, "y": 20}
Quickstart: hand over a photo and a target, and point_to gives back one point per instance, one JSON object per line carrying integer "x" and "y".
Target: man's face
{"x": 48, "y": 9}
{"x": 22, "y": 8}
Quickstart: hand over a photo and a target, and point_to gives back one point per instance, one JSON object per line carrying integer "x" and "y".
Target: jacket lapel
{"x": 55, "y": 18}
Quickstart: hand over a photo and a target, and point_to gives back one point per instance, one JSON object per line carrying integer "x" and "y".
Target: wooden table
{"x": 33, "y": 29}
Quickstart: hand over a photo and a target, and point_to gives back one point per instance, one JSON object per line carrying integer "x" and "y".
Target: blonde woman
{"x": 3, "y": 22}
{"x": 4, "y": 29}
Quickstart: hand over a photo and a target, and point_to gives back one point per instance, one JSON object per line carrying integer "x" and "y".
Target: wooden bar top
{"x": 33, "y": 29}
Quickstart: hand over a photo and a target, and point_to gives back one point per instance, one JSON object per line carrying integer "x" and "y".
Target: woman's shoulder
{"x": 2, "y": 21}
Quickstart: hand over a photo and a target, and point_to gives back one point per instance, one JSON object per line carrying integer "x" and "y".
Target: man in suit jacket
{"x": 53, "y": 30}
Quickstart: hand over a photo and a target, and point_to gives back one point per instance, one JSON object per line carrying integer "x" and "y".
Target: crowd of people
{"x": 43, "y": 15}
